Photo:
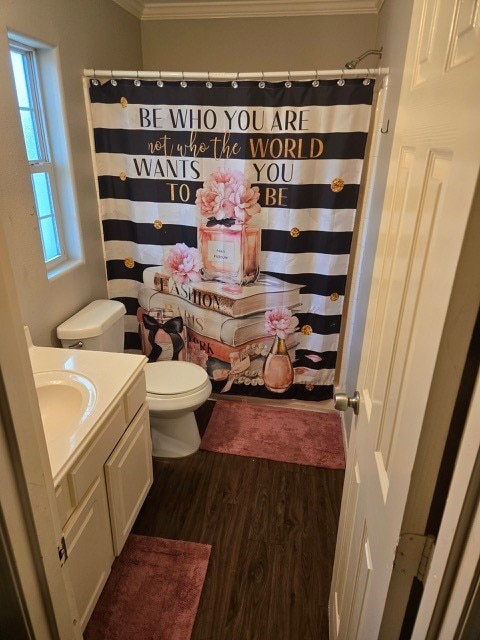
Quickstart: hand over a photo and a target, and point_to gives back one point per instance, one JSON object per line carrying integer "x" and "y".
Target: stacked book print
{"x": 225, "y": 325}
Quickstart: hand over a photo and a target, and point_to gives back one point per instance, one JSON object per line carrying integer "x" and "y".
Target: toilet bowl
{"x": 175, "y": 389}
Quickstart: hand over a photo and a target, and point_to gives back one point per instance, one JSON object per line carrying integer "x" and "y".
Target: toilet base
{"x": 174, "y": 437}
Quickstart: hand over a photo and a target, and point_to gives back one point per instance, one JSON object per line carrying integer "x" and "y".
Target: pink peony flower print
{"x": 213, "y": 200}
{"x": 228, "y": 194}
{"x": 227, "y": 177}
{"x": 245, "y": 201}
{"x": 197, "y": 355}
{"x": 183, "y": 263}
{"x": 280, "y": 322}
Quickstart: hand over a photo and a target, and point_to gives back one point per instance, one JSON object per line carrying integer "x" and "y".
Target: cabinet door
{"x": 129, "y": 475}
{"x": 89, "y": 547}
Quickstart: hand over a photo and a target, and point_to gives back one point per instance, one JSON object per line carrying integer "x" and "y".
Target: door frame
{"x": 455, "y": 560}
{"x": 27, "y": 497}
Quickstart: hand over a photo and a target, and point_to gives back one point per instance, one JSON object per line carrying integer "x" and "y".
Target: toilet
{"x": 174, "y": 388}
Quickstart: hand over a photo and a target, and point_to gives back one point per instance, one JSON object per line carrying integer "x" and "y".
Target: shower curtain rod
{"x": 221, "y": 77}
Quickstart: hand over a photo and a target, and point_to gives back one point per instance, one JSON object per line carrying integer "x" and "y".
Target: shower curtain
{"x": 227, "y": 212}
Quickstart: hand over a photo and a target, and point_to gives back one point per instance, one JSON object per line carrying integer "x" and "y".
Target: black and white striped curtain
{"x": 227, "y": 216}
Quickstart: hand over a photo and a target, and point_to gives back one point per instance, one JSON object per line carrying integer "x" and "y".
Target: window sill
{"x": 64, "y": 267}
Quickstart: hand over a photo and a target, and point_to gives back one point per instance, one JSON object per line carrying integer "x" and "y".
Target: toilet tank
{"x": 99, "y": 326}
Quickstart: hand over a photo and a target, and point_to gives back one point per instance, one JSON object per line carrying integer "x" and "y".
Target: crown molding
{"x": 135, "y": 7}
{"x": 146, "y": 10}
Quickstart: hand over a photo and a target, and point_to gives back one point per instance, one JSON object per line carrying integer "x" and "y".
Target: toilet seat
{"x": 174, "y": 378}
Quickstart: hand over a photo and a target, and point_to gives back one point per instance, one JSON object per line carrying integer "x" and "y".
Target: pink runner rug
{"x": 152, "y": 592}
{"x": 285, "y": 435}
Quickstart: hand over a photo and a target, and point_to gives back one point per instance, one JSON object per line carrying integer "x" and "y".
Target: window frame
{"x": 41, "y": 59}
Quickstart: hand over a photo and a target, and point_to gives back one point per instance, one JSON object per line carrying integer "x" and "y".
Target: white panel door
{"x": 432, "y": 177}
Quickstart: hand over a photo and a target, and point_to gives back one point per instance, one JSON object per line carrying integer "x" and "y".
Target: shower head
{"x": 352, "y": 64}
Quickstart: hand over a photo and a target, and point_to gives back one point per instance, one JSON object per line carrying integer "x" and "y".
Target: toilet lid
{"x": 172, "y": 377}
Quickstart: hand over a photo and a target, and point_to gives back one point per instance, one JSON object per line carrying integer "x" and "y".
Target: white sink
{"x": 66, "y": 400}
{"x": 76, "y": 390}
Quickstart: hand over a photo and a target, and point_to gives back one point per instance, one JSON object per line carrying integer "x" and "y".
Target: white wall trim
{"x": 146, "y": 10}
{"x": 134, "y": 7}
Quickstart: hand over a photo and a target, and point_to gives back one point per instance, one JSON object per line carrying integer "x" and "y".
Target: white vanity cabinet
{"x": 101, "y": 493}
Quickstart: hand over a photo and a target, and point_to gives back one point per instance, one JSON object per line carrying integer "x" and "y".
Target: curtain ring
{"x": 367, "y": 80}
{"x": 235, "y": 82}
{"x": 159, "y": 81}
{"x": 94, "y": 80}
{"x": 113, "y": 82}
{"x": 341, "y": 81}
{"x": 183, "y": 83}
{"x": 261, "y": 84}
{"x": 208, "y": 84}
{"x": 316, "y": 82}
{"x": 137, "y": 82}
{"x": 288, "y": 83}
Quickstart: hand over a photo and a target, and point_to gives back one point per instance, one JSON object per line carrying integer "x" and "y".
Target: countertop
{"x": 111, "y": 373}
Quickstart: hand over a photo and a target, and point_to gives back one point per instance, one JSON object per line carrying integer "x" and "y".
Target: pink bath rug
{"x": 152, "y": 592}
{"x": 286, "y": 435}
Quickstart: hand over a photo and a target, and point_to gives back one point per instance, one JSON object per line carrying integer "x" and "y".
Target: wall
{"x": 393, "y": 29}
{"x": 247, "y": 44}
{"x": 88, "y": 33}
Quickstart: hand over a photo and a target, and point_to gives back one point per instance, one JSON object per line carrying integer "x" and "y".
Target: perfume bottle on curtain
{"x": 278, "y": 371}
{"x": 229, "y": 244}
{"x": 230, "y": 254}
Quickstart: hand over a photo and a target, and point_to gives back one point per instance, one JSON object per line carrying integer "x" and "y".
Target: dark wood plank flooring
{"x": 272, "y": 527}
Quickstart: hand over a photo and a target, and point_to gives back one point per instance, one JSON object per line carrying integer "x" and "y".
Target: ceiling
{"x": 198, "y": 9}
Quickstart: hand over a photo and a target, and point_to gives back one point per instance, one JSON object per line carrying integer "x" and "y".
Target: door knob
{"x": 342, "y": 402}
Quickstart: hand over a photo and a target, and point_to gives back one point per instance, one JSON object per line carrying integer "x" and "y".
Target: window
{"x": 51, "y": 178}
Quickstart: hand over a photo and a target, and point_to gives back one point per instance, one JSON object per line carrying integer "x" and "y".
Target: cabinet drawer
{"x": 129, "y": 475}
{"x": 135, "y": 397}
{"x": 83, "y": 473}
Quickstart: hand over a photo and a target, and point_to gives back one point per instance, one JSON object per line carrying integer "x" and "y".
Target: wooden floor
{"x": 272, "y": 527}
